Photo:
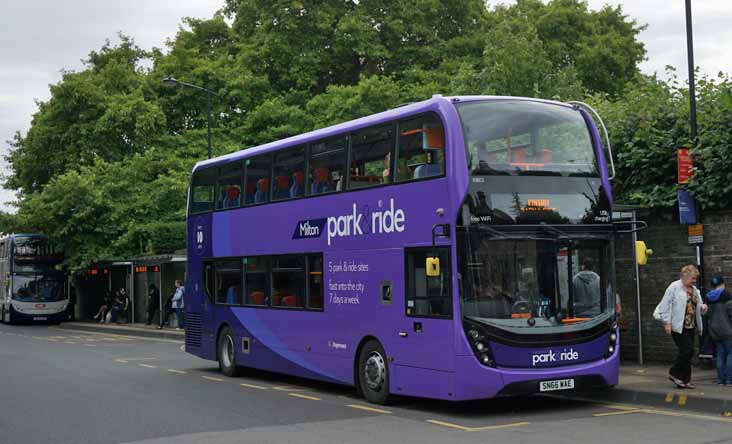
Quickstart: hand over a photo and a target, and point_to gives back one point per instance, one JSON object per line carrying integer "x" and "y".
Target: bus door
{"x": 425, "y": 330}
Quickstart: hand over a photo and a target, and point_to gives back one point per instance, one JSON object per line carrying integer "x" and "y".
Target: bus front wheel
{"x": 373, "y": 373}
{"x": 227, "y": 362}
{"x": 7, "y": 316}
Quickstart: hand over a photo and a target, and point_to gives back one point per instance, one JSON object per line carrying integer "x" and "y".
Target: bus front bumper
{"x": 477, "y": 381}
{"x": 38, "y": 316}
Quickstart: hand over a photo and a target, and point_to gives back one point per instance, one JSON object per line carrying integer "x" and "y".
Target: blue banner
{"x": 687, "y": 208}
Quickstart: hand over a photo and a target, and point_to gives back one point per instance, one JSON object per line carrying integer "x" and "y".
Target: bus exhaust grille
{"x": 193, "y": 330}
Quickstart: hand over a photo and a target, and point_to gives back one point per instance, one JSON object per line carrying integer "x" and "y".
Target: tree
{"x": 105, "y": 164}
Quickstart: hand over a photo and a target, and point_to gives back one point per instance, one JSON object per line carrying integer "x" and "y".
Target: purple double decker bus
{"x": 456, "y": 248}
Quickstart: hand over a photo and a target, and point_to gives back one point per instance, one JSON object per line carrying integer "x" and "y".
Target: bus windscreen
{"x": 524, "y": 137}
{"x": 556, "y": 282}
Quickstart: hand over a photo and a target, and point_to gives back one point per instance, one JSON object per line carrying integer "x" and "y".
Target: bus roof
{"x": 374, "y": 119}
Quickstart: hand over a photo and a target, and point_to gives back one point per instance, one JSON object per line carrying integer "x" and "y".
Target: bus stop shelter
{"x": 135, "y": 275}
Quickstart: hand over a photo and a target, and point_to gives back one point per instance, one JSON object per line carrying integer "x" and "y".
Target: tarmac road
{"x": 61, "y": 386}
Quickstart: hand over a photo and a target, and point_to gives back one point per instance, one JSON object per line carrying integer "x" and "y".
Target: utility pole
{"x": 694, "y": 136}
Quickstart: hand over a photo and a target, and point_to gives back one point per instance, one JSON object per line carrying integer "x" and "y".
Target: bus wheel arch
{"x": 371, "y": 357}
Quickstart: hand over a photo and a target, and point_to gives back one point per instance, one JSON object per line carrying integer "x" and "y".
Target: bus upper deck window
{"x": 327, "y": 165}
{"x": 421, "y": 148}
{"x": 257, "y": 179}
{"x": 371, "y": 154}
{"x": 202, "y": 193}
{"x": 288, "y": 174}
{"x": 229, "y": 186}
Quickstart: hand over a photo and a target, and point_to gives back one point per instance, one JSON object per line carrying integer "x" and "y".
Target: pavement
{"x": 141, "y": 330}
{"x": 61, "y": 385}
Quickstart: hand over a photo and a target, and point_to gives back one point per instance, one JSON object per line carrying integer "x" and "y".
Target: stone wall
{"x": 671, "y": 251}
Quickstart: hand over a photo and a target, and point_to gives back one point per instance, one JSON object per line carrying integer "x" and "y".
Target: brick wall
{"x": 671, "y": 251}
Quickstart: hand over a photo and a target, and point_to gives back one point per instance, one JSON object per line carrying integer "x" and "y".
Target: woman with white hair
{"x": 681, "y": 311}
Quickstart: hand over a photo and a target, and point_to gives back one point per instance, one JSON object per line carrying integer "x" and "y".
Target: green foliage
{"x": 651, "y": 121}
{"x": 104, "y": 166}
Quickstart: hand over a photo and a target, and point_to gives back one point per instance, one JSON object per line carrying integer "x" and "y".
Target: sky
{"x": 39, "y": 38}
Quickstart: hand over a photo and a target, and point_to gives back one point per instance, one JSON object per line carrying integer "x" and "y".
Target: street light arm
{"x": 201, "y": 88}
{"x": 169, "y": 80}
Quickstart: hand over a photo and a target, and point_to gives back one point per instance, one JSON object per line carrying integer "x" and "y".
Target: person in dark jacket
{"x": 153, "y": 302}
{"x": 720, "y": 328}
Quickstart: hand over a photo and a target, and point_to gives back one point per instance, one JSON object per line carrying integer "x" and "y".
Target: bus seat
{"x": 262, "y": 194}
{"x": 297, "y": 181}
{"x": 232, "y": 197}
{"x": 251, "y": 191}
{"x": 320, "y": 182}
{"x": 276, "y": 299}
{"x": 518, "y": 155}
{"x": 282, "y": 187}
{"x": 289, "y": 301}
{"x": 544, "y": 156}
{"x": 427, "y": 170}
{"x": 257, "y": 297}
{"x": 230, "y": 295}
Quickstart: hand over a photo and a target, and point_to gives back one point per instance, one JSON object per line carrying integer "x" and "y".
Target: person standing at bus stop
{"x": 179, "y": 304}
{"x": 720, "y": 328}
{"x": 681, "y": 311}
{"x": 153, "y": 302}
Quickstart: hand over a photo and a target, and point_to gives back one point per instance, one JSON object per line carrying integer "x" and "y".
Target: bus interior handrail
{"x": 604, "y": 129}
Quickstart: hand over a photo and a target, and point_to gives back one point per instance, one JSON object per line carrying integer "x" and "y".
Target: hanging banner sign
{"x": 684, "y": 164}
{"x": 687, "y": 208}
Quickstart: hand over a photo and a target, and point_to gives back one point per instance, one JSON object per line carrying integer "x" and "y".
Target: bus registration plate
{"x": 39, "y": 318}
{"x": 559, "y": 384}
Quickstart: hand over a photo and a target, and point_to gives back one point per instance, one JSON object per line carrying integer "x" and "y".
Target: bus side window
{"x": 427, "y": 296}
{"x": 327, "y": 166}
{"x": 288, "y": 177}
{"x": 256, "y": 291}
{"x": 202, "y": 193}
{"x": 288, "y": 273}
{"x": 257, "y": 179}
{"x": 208, "y": 284}
{"x": 228, "y": 186}
{"x": 421, "y": 148}
{"x": 315, "y": 282}
{"x": 372, "y": 151}
{"x": 228, "y": 282}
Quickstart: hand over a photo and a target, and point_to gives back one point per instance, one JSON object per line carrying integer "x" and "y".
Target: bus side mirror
{"x": 432, "y": 266}
{"x": 642, "y": 252}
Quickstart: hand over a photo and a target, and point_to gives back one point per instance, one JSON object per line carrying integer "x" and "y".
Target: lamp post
{"x": 170, "y": 81}
{"x": 694, "y": 135}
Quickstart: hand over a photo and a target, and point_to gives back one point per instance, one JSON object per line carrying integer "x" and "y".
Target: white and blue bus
{"x": 32, "y": 288}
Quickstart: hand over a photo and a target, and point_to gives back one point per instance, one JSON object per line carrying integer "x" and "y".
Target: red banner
{"x": 684, "y": 164}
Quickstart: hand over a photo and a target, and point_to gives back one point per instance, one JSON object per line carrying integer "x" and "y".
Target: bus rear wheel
{"x": 373, "y": 373}
{"x": 227, "y": 362}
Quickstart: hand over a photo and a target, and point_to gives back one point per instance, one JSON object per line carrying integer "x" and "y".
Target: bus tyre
{"x": 373, "y": 373}
{"x": 7, "y": 319}
{"x": 227, "y": 363}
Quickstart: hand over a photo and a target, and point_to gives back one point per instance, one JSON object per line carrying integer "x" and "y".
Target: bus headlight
{"x": 611, "y": 349}
{"x": 613, "y": 337}
{"x": 478, "y": 343}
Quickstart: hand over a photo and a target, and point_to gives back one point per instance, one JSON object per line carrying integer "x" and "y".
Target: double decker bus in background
{"x": 456, "y": 248}
{"x": 32, "y": 288}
